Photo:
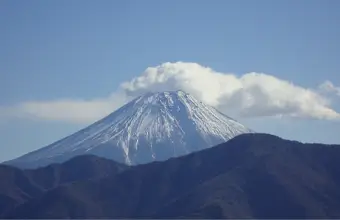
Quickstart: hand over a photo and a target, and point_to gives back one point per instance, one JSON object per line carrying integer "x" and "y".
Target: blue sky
{"x": 80, "y": 50}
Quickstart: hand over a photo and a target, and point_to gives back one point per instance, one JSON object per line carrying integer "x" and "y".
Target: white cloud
{"x": 66, "y": 110}
{"x": 250, "y": 95}
{"x": 329, "y": 87}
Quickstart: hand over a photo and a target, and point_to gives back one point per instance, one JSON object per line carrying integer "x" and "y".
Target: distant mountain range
{"x": 249, "y": 176}
{"x": 153, "y": 127}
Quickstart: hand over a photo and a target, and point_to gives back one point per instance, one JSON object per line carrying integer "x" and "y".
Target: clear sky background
{"x": 80, "y": 50}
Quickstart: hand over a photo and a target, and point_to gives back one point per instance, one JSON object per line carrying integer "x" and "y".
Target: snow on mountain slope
{"x": 155, "y": 126}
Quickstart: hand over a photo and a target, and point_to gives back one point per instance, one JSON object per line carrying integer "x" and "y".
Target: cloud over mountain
{"x": 250, "y": 95}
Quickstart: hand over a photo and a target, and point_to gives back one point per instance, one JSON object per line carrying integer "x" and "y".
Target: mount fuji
{"x": 152, "y": 127}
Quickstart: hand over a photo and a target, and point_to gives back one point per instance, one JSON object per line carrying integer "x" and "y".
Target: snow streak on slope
{"x": 155, "y": 126}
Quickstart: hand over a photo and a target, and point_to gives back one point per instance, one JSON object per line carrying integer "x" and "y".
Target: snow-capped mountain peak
{"x": 154, "y": 126}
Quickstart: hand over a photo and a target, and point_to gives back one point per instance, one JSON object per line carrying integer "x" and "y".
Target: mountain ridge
{"x": 17, "y": 186}
{"x": 250, "y": 176}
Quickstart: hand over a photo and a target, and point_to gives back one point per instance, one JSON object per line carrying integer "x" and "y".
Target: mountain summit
{"x": 152, "y": 127}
